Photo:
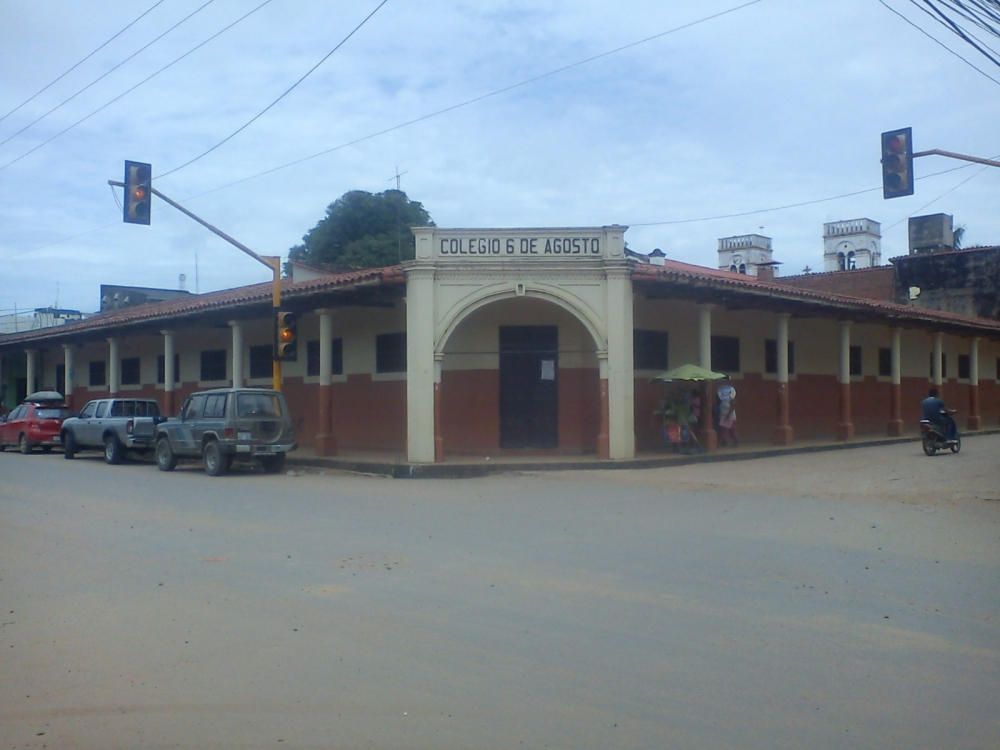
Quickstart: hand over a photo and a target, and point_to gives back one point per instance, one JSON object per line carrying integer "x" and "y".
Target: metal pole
{"x": 963, "y": 157}
{"x": 275, "y": 264}
{"x": 272, "y": 262}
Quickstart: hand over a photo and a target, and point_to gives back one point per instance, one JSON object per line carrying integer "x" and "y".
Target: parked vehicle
{"x": 36, "y": 422}
{"x": 114, "y": 425}
{"x": 933, "y": 438}
{"x": 224, "y": 424}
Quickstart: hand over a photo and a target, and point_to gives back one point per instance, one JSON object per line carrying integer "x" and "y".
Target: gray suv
{"x": 224, "y": 424}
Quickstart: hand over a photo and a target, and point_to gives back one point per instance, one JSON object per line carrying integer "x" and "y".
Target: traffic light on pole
{"x": 285, "y": 335}
{"x": 897, "y": 163}
{"x": 138, "y": 192}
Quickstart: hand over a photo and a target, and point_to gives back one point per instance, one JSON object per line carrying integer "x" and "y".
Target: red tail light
{"x": 227, "y": 433}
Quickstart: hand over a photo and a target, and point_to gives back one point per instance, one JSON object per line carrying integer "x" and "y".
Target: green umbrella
{"x": 687, "y": 372}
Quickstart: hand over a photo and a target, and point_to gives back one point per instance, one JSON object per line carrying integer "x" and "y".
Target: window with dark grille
{"x": 726, "y": 353}
{"x": 771, "y": 356}
{"x": 161, "y": 372}
{"x": 261, "y": 361}
{"x": 885, "y": 363}
{"x": 98, "y": 373}
{"x": 649, "y": 350}
{"x": 390, "y": 352}
{"x": 854, "y": 357}
{"x": 336, "y": 357}
{"x": 213, "y": 365}
{"x": 130, "y": 371}
{"x": 964, "y": 367}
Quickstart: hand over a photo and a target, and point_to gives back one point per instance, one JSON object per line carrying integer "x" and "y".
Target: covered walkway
{"x": 395, "y": 464}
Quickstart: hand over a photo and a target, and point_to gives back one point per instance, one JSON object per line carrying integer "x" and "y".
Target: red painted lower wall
{"x": 371, "y": 415}
{"x": 470, "y": 411}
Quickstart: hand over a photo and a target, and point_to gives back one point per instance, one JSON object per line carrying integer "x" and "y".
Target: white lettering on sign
{"x": 519, "y": 246}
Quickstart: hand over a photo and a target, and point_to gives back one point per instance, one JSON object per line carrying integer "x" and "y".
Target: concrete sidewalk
{"x": 464, "y": 467}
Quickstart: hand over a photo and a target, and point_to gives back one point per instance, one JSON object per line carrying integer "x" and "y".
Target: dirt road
{"x": 835, "y": 600}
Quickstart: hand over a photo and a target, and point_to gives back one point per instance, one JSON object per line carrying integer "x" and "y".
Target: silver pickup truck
{"x": 225, "y": 424}
{"x": 114, "y": 425}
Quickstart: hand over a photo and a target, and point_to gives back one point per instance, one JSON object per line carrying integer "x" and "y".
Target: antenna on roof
{"x": 398, "y": 175}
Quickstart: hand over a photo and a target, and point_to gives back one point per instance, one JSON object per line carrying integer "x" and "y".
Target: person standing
{"x": 726, "y": 407}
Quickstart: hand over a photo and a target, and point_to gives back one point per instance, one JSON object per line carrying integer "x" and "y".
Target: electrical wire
{"x": 946, "y": 192}
{"x": 474, "y": 100}
{"x": 941, "y": 17}
{"x": 938, "y": 42}
{"x": 286, "y": 93}
{"x": 74, "y": 67}
{"x": 141, "y": 83}
{"x": 106, "y": 74}
{"x": 504, "y": 90}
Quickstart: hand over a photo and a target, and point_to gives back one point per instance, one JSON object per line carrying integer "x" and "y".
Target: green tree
{"x": 364, "y": 230}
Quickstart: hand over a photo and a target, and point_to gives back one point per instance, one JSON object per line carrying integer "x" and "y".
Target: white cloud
{"x": 778, "y": 103}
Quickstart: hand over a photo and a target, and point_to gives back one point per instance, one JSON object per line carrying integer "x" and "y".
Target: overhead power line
{"x": 81, "y": 62}
{"x": 106, "y": 74}
{"x": 990, "y": 15}
{"x": 477, "y": 99}
{"x": 286, "y": 93}
{"x": 971, "y": 10}
{"x": 141, "y": 83}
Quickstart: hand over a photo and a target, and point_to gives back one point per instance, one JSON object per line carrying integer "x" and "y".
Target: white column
{"x": 68, "y": 367}
{"x": 782, "y": 344}
{"x": 420, "y": 364}
{"x": 621, "y": 373}
{"x": 325, "y": 347}
{"x": 845, "y": 352}
{"x": 168, "y": 361}
{"x": 897, "y": 368}
{"x": 114, "y": 367}
{"x": 31, "y": 366}
{"x": 937, "y": 374}
{"x": 974, "y": 361}
{"x": 705, "y": 336}
{"x": 238, "y": 353}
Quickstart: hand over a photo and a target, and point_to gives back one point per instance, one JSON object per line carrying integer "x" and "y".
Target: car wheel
{"x": 274, "y": 463}
{"x": 930, "y": 446}
{"x": 165, "y": 458}
{"x": 215, "y": 461}
{"x": 2, "y": 447}
{"x": 69, "y": 445}
{"x": 23, "y": 444}
{"x": 114, "y": 451}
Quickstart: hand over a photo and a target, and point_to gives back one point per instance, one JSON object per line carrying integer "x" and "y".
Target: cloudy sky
{"x": 687, "y": 120}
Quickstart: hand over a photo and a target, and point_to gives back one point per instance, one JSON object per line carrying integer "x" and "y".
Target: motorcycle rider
{"x": 939, "y": 415}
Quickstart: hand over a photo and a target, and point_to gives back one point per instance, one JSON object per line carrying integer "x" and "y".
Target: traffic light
{"x": 138, "y": 192}
{"x": 897, "y": 163}
{"x": 285, "y": 335}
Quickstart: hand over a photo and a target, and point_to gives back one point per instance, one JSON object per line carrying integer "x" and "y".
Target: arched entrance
{"x": 519, "y": 375}
{"x": 579, "y": 276}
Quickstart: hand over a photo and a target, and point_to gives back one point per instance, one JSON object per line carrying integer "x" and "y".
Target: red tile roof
{"x": 222, "y": 300}
{"x": 687, "y": 275}
{"x": 869, "y": 283}
{"x": 777, "y": 293}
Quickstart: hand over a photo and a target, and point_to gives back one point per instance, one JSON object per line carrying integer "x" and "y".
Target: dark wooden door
{"x": 529, "y": 363}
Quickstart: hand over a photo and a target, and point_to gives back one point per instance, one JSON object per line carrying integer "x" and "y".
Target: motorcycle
{"x": 933, "y": 439}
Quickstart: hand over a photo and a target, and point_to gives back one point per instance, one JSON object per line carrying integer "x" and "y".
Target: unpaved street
{"x": 846, "y": 599}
